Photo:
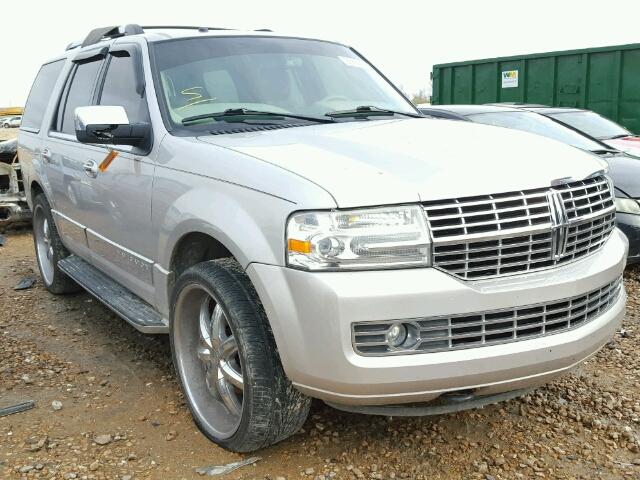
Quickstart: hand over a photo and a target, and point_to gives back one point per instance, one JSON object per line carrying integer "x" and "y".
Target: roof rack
{"x": 98, "y": 34}
{"x": 183, "y": 27}
{"x": 114, "y": 31}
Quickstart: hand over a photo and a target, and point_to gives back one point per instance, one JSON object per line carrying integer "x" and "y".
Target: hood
{"x": 625, "y": 172}
{"x": 396, "y": 161}
{"x": 630, "y": 145}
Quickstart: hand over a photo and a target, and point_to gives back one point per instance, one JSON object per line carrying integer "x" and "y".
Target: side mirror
{"x": 108, "y": 125}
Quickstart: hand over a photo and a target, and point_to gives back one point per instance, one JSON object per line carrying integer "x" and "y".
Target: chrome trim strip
{"x": 128, "y": 260}
{"x": 70, "y": 229}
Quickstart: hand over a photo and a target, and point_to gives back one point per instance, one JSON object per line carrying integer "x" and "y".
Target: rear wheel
{"x": 49, "y": 248}
{"x": 227, "y": 362}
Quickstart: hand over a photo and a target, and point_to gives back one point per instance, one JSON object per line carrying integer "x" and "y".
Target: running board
{"x": 119, "y": 299}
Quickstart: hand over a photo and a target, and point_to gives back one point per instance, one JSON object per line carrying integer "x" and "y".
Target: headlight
{"x": 386, "y": 237}
{"x": 627, "y": 205}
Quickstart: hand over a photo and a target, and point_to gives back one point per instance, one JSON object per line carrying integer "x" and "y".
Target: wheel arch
{"x": 34, "y": 189}
{"x": 195, "y": 247}
{"x": 243, "y": 223}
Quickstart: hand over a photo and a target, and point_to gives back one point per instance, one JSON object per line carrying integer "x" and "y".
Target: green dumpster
{"x": 605, "y": 80}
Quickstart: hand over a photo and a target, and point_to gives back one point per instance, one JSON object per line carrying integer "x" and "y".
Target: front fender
{"x": 249, "y": 224}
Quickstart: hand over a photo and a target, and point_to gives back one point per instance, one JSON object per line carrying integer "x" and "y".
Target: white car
{"x": 11, "y": 122}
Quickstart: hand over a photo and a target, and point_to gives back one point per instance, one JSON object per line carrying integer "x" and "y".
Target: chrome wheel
{"x": 208, "y": 360}
{"x": 44, "y": 247}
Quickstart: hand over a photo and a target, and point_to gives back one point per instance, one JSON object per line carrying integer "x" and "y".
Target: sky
{"x": 403, "y": 38}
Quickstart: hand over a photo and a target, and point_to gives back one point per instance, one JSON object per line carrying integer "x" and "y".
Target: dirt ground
{"x": 122, "y": 415}
{"x": 8, "y": 133}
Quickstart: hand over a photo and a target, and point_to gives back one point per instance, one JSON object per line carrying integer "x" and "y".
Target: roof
{"x": 173, "y": 33}
{"x": 543, "y": 109}
{"x": 516, "y": 104}
{"x": 473, "y": 109}
{"x": 167, "y": 32}
{"x": 552, "y": 110}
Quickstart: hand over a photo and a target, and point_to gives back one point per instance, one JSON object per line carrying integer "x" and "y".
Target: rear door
{"x": 73, "y": 197}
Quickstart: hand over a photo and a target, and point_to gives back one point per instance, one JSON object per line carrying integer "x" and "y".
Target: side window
{"x": 78, "y": 94}
{"x": 119, "y": 88}
{"x": 40, "y": 94}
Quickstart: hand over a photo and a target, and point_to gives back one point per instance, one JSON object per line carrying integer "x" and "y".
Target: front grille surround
{"x": 518, "y": 232}
{"x": 494, "y": 327}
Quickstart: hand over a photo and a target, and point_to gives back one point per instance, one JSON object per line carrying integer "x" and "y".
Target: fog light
{"x": 396, "y": 335}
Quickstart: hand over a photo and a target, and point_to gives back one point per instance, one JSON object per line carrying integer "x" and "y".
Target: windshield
{"x": 199, "y": 76}
{"x": 592, "y": 124}
{"x": 534, "y": 123}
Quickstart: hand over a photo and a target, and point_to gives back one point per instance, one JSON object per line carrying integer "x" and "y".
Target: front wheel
{"x": 227, "y": 362}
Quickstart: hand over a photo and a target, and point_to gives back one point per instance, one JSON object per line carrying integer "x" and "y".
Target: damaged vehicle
{"x": 14, "y": 211}
{"x": 279, "y": 209}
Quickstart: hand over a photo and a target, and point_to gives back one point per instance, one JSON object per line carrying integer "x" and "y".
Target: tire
{"x": 217, "y": 296}
{"x": 49, "y": 249}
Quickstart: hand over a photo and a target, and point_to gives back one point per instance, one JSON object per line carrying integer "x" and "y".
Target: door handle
{"x": 91, "y": 169}
{"x": 46, "y": 155}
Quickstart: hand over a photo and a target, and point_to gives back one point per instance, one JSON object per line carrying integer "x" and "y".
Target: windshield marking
{"x": 193, "y": 98}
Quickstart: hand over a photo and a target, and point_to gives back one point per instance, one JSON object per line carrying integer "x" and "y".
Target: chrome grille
{"x": 487, "y": 328}
{"x": 588, "y": 236}
{"x": 517, "y": 232}
{"x": 586, "y": 197}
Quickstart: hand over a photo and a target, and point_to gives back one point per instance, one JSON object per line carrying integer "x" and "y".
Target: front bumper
{"x": 630, "y": 225}
{"x": 311, "y": 316}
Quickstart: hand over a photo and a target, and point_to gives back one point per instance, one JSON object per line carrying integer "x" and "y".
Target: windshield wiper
{"x": 604, "y": 151}
{"x": 622, "y": 135}
{"x": 369, "y": 111}
{"x": 238, "y": 113}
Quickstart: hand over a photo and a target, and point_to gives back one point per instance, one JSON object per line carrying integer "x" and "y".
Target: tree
{"x": 420, "y": 97}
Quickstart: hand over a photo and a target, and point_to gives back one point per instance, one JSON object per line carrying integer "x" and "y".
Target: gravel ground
{"x": 8, "y": 133}
{"x": 108, "y": 407}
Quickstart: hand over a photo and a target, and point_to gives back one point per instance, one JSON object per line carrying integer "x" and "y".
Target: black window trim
{"x": 92, "y": 55}
{"x": 84, "y": 56}
{"x": 37, "y": 130}
{"x": 96, "y": 55}
{"x": 134, "y": 51}
{"x": 64, "y": 94}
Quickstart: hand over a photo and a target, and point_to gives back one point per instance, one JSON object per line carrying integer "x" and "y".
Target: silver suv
{"x": 282, "y": 211}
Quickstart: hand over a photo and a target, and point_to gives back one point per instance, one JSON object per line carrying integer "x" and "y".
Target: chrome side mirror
{"x": 103, "y": 124}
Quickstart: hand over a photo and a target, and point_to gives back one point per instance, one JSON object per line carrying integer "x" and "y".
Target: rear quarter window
{"x": 40, "y": 95}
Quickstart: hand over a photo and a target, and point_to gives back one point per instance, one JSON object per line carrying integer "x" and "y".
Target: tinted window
{"x": 538, "y": 124}
{"x": 40, "y": 94}
{"x": 79, "y": 94}
{"x": 592, "y": 124}
{"x": 120, "y": 89}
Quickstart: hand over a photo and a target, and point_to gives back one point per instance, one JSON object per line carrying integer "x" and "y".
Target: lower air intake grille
{"x": 486, "y": 328}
